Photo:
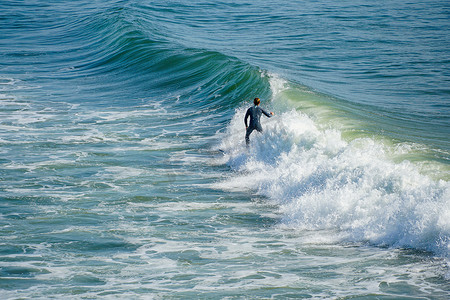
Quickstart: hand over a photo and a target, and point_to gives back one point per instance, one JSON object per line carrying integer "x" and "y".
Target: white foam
{"x": 13, "y": 84}
{"x": 119, "y": 172}
{"x": 322, "y": 182}
{"x": 101, "y": 117}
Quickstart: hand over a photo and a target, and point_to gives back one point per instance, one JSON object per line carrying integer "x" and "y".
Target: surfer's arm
{"x": 247, "y": 114}
{"x": 266, "y": 113}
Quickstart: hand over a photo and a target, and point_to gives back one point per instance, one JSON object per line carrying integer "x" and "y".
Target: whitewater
{"x": 321, "y": 181}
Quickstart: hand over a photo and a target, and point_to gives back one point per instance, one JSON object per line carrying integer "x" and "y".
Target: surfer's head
{"x": 256, "y": 101}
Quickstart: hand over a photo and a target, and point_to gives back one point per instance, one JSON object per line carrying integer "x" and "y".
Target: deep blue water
{"x": 123, "y": 169}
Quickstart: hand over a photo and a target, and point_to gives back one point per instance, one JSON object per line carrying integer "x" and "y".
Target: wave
{"x": 320, "y": 179}
{"x": 140, "y": 56}
{"x": 119, "y": 48}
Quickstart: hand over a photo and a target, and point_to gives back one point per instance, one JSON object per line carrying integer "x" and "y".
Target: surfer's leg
{"x": 247, "y": 135}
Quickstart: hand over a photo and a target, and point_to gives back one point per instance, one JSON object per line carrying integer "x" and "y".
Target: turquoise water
{"x": 124, "y": 173}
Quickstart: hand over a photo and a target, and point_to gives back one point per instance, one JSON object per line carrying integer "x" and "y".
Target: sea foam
{"x": 321, "y": 181}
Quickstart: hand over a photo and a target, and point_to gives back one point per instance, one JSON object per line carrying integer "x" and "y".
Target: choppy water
{"x": 123, "y": 170}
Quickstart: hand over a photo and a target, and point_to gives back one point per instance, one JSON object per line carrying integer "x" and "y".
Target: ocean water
{"x": 123, "y": 168}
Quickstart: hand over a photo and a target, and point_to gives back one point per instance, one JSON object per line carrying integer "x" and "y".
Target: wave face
{"x": 116, "y": 51}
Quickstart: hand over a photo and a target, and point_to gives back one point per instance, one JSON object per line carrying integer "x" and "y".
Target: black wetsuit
{"x": 254, "y": 113}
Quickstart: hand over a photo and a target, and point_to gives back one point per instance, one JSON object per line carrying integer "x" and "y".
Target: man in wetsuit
{"x": 254, "y": 113}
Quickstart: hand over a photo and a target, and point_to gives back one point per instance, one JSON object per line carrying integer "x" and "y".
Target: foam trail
{"x": 320, "y": 181}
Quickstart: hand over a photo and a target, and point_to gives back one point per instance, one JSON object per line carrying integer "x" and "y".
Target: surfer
{"x": 254, "y": 113}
